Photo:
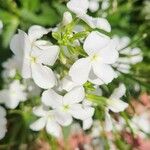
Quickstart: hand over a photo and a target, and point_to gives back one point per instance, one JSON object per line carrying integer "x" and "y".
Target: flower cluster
{"x": 67, "y": 73}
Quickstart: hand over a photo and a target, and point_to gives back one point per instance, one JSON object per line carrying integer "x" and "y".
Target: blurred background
{"x": 127, "y": 17}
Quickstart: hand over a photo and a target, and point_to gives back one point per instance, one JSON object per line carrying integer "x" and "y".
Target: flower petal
{"x": 40, "y": 111}
{"x": 78, "y": 112}
{"x": 95, "y": 42}
{"x": 45, "y": 52}
{"x": 63, "y": 118}
{"x": 109, "y": 54}
{"x": 20, "y": 44}
{"x": 100, "y": 23}
{"x": 2, "y": 132}
{"x": 108, "y": 122}
{"x": 43, "y": 76}
{"x": 67, "y": 84}
{"x": 53, "y": 128}
{"x": 79, "y": 71}
{"x": 36, "y": 32}
{"x": 25, "y": 68}
{"x": 51, "y": 98}
{"x": 79, "y": 7}
{"x": 118, "y": 92}
{"x": 87, "y": 123}
{"x": 2, "y": 112}
{"x": 12, "y": 102}
{"x": 76, "y": 95}
{"x": 38, "y": 124}
{"x": 4, "y": 96}
{"x": 117, "y": 105}
{"x": 104, "y": 72}
{"x": 94, "y": 79}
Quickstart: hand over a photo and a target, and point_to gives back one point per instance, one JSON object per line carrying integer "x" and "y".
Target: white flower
{"x": 96, "y": 67}
{"x": 1, "y": 26}
{"x": 3, "y": 122}
{"x": 34, "y": 55}
{"x": 10, "y": 67}
{"x": 115, "y": 104}
{"x": 67, "y": 106}
{"x": 80, "y": 7}
{"x": 93, "y": 5}
{"x": 48, "y": 119}
{"x": 13, "y": 95}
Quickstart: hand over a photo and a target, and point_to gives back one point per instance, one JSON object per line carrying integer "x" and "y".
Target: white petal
{"x": 43, "y": 76}
{"x": 38, "y": 124}
{"x": 51, "y": 98}
{"x": 100, "y": 23}
{"x": 2, "y": 132}
{"x": 67, "y": 18}
{"x": 12, "y": 103}
{"x": 103, "y": 24}
{"x": 40, "y": 111}
{"x": 46, "y": 54}
{"x": 78, "y": 112}
{"x": 67, "y": 84}
{"x": 94, "y": 79}
{"x": 104, "y": 72}
{"x": 2, "y": 112}
{"x": 3, "y": 121}
{"x": 76, "y": 95}
{"x": 118, "y": 92}
{"x": 78, "y": 6}
{"x": 53, "y": 128}
{"x": 4, "y": 96}
{"x": 87, "y": 123}
{"x": 117, "y": 105}
{"x": 26, "y": 68}
{"x": 109, "y": 54}
{"x": 93, "y": 5}
{"x": 63, "y": 118}
{"x": 20, "y": 44}
{"x": 36, "y": 32}
{"x": 95, "y": 42}
{"x": 79, "y": 71}
{"x": 1, "y": 26}
{"x": 108, "y": 122}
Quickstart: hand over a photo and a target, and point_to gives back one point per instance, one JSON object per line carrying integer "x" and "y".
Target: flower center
{"x": 66, "y": 107}
{"x": 95, "y": 57}
{"x": 33, "y": 59}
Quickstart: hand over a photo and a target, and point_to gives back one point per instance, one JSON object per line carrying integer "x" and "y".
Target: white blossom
{"x": 3, "y": 122}
{"x": 34, "y": 55}
{"x": 96, "y": 67}
{"x": 48, "y": 119}
{"x": 67, "y": 106}
{"x": 12, "y": 96}
{"x": 80, "y": 9}
{"x": 115, "y": 104}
